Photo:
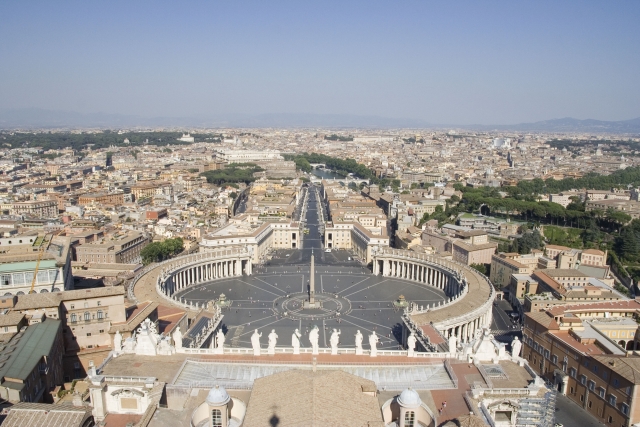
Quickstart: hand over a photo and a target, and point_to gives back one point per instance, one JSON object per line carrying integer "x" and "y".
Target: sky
{"x": 443, "y": 62}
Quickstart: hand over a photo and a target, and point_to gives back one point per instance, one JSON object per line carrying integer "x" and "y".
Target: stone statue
{"x": 177, "y": 338}
{"x": 220, "y": 338}
{"x": 273, "y": 338}
{"x": 516, "y": 346}
{"x": 373, "y": 342}
{"x": 255, "y": 342}
{"x": 453, "y": 347}
{"x": 411, "y": 344}
{"x": 313, "y": 338}
{"x": 117, "y": 342}
{"x": 295, "y": 341}
{"x": 334, "y": 340}
{"x": 359, "y": 339}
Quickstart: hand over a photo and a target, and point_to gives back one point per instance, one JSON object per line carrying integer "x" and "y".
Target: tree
{"x": 480, "y": 267}
{"x": 159, "y": 251}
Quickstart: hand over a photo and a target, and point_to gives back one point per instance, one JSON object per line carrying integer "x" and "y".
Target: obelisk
{"x": 312, "y": 290}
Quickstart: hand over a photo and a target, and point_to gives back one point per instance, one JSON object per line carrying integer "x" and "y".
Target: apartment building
{"x": 36, "y": 209}
{"x": 583, "y": 350}
{"x": 32, "y": 362}
{"x": 101, "y": 199}
{"x": 87, "y": 316}
{"x": 122, "y": 248}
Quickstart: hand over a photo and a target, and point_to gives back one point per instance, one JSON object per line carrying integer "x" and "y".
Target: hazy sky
{"x": 488, "y": 62}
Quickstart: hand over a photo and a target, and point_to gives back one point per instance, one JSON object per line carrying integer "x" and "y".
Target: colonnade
{"x": 188, "y": 275}
{"x": 419, "y": 271}
{"x": 459, "y": 282}
{"x": 466, "y": 330}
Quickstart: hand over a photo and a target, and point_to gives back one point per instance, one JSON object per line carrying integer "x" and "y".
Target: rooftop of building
{"x": 22, "y": 354}
{"x": 53, "y": 299}
{"x": 41, "y": 414}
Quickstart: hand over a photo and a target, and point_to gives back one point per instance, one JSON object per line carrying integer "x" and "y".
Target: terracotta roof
{"x": 53, "y": 299}
{"x": 612, "y": 306}
{"x": 543, "y": 319}
{"x": 585, "y": 348}
{"x": 626, "y": 367}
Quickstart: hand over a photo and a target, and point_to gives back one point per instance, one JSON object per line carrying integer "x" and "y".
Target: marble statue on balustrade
{"x": 334, "y": 340}
{"x": 164, "y": 346}
{"x": 117, "y": 342}
{"x": 295, "y": 341}
{"x": 359, "y": 339}
{"x": 147, "y": 339}
{"x": 220, "y": 339}
{"x": 411, "y": 344}
{"x": 177, "y": 338}
{"x": 255, "y": 342}
{"x": 314, "y": 335}
{"x": 453, "y": 344}
{"x": 373, "y": 342}
{"x": 273, "y": 339}
{"x": 516, "y": 346}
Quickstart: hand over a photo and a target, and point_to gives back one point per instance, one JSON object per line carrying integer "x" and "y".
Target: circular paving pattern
{"x": 329, "y": 306}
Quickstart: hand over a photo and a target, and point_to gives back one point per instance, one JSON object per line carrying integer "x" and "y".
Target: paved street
{"x": 503, "y": 326}
{"x": 570, "y": 414}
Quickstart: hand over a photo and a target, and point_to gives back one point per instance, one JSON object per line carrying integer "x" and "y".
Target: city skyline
{"x": 462, "y": 64}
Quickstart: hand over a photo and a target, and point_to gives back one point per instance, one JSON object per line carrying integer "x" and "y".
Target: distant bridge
{"x": 346, "y": 180}
{"x": 317, "y": 165}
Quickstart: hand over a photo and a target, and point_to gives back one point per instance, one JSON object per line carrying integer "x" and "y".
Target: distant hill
{"x": 569, "y": 124}
{"x": 34, "y": 118}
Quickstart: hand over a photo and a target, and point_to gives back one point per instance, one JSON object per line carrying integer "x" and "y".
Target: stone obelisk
{"x": 312, "y": 286}
{"x": 312, "y": 303}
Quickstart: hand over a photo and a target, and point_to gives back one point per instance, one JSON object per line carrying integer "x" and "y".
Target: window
{"x": 583, "y": 379}
{"x": 74, "y": 318}
{"x": 216, "y": 418}
{"x": 102, "y": 331}
{"x": 100, "y": 315}
{"x": 86, "y": 304}
{"x": 624, "y": 408}
{"x": 592, "y": 385}
{"x": 72, "y": 306}
{"x": 612, "y": 400}
{"x": 572, "y": 372}
{"x": 601, "y": 392}
{"x": 87, "y": 316}
{"x": 88, "y": 334}
{"x": 616, "y": 383}
{"x": 554, "y": 359}
{"x": 409, "y": 418}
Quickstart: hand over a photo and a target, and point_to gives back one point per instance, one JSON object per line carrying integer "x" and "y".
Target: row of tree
{"x": 160, "y": 251}
{"x": 59, "y": 140}
{"x": 232, "y": 174}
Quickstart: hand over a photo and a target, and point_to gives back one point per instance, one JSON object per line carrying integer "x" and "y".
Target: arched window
{"x": 74, "y": 318}
{"x": 87, "y": 316}
{"x": 100, "y": 315}
{"x": 409, "y": 419}
{"x": 216, "y": 418}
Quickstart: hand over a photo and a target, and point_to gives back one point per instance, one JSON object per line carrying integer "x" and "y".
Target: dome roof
{"x": 218, "y": 396}
{"x": 409, "y": 398}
